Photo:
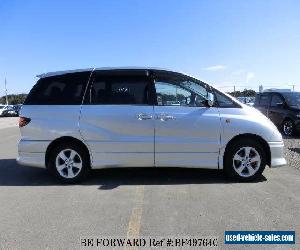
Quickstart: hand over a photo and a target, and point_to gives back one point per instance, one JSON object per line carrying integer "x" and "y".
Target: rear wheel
{"x": 69, "y": 163}
{"x": 245, "y": 160}
{"x": 288, "y": 127}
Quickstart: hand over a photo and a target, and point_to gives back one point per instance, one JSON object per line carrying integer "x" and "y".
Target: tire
{"x": 69, "y": 163}
{"x": 288, "y": 127}
{"x": 245, "y": 160}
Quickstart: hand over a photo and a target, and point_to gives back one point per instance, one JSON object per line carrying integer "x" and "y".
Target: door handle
{"x": 165, "y": 117}
{"x": 143, "y": 116}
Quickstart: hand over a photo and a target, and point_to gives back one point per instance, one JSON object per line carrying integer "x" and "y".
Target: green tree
{"x": 245, "y": 93}
{"x": 13, "y": 99}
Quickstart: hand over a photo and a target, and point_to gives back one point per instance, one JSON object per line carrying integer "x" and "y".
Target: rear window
{"x": 65, "y": 89}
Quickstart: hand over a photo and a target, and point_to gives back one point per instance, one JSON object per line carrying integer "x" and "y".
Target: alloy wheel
{"x": 68, "y": 163}
{"x": 246, "y": 161}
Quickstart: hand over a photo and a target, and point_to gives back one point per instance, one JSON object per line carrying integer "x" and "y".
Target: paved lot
{"x": 8, "y": 122}
{"x": 38, "y": 213}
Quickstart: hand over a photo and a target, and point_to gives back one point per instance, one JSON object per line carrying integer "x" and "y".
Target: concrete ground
{"x": 36, "y": 212}
{"x": 8, "y": 122}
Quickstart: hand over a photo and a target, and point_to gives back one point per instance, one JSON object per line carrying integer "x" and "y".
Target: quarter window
{"x": 59, "y": 90}
{"x": 224, "y": 101}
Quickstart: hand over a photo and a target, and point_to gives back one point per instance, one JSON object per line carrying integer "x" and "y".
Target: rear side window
{"x": 65, "y": 89}
{"x": 118, "y": 90}
{"x": 264, "y": 100}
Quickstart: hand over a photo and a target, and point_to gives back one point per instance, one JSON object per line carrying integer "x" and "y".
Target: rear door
{"x": 116, "y": 120}
{"x": 187, "y": 132}
{"x": 264, "y": 103}
{"x": 276, "y": 110}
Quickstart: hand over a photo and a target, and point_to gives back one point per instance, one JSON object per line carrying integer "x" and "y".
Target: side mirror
{"x": 210, "y": 99}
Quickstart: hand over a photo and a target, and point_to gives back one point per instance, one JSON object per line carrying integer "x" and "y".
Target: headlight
{"x": 298, "y": 115}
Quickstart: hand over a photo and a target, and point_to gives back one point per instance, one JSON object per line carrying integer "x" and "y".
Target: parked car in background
{"x": 17, "y": 108}
{"x": 2, "y": 108}
{"x": 74, "y": 121}
{"x": 282, "y": 107}
{"x": 7, "y": 110}
{"x": 249, "y": 100}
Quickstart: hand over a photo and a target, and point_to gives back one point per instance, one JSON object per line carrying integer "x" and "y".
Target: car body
{"x": 249, "y": 100}
{"x": 282, "y": 107}
{"x": 141, "y": 117}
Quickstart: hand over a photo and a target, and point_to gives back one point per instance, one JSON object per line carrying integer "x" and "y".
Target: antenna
{"x": 6, "y": 92}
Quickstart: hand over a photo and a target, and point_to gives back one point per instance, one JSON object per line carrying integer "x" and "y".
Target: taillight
{"x": 23, "y": 121}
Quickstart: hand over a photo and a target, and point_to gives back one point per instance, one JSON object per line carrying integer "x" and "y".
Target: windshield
{"x": 2, "y": 106}
{"x": 292, "y": 99}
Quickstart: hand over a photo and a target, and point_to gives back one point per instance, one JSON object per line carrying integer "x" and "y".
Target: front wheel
{"x": 69, "y": 163}
{"x": 245, "y": 160}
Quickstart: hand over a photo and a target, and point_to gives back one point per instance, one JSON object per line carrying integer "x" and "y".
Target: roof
{"x": 277, "y": 90}
{"x": 56, "y": 73}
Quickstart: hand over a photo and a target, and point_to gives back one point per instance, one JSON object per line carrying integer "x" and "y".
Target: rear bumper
{"x": 32, "y": 153}
{"x": 277, "y": 154}
{"x": 31, "y": 159}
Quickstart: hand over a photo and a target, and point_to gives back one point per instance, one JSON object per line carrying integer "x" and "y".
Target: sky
{"x": 225, "y": 43}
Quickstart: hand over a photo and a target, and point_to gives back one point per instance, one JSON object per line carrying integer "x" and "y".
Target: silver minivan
{"x": 75, "y": 121}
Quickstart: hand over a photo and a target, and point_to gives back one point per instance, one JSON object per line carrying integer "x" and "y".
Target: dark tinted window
{"x": 276, "y": 99}
{"x": 292, "y": 99}
{"x": 256, "y": 102}
{"x": 59, "y": 90}
{"x": 264, "y": 100}
{"x": 118, "y": 90}
{"x": 223, "y": 101}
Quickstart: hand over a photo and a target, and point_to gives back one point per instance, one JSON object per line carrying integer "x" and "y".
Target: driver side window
{"x": 180, "y": 93}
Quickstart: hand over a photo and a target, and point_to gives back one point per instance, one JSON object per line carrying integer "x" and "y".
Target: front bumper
{"x": 277, "y": 154}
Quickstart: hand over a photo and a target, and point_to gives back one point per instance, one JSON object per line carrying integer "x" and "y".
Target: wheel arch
{"x": 65, "y": 139}
{"x": 258, "y": 138}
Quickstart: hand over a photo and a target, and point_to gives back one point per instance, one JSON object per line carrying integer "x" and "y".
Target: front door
{"x": 187, "y": 131}
{"x": 116, "y": 121}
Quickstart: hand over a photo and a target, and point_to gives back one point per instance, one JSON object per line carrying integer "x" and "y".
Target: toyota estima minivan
{"x": 75, "y": 121}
